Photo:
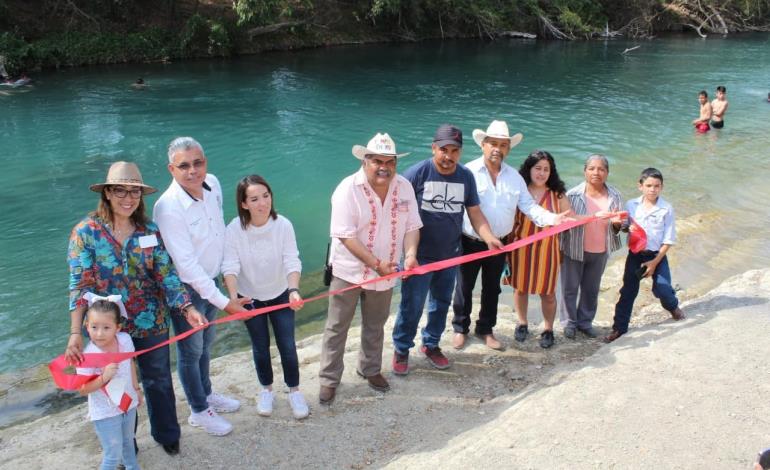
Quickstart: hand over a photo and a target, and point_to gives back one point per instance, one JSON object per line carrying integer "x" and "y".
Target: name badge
{"x": 148, "y": 241}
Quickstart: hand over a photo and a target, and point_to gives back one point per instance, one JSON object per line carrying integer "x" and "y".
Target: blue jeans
{"x": 661, "y": 288}
{"x": 116, "y": 435}
{"x": 193, "y": 354}
{"x": 437, "y": 287}
{"x": 155, "y": 375}
{"x": 283, "y": 330}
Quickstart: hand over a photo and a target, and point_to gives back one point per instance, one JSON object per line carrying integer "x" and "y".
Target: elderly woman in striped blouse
{"x": 585, "y": 249}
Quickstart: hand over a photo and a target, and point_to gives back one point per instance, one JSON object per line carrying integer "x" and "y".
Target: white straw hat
{"x": 381, "y": 144}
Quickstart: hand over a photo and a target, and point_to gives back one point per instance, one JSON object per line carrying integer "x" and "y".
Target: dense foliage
{"x": 54, "y": 33}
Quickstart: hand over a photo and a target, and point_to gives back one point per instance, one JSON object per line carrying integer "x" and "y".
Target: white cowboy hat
{"x": 381, "y": 144}
{"x": 497, "y": 130}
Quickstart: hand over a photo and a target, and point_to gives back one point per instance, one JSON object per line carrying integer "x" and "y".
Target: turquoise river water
{"x": 293, "y": 117}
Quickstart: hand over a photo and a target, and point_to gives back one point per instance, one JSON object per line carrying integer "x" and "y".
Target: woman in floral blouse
{"x": 117, "y": 250}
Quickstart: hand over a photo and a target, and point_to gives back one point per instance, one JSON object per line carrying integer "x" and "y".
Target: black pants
{"x": 155, "y": 375}
{"x": 491, "y": 269}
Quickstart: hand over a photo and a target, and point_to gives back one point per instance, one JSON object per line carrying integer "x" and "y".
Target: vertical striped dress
{"x": 535, "y": 267}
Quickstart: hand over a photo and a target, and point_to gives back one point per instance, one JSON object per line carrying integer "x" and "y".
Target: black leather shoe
{"x": 171, "y": 449}
{"x": 546, "y": 339}
{"x": 590, "y": 332}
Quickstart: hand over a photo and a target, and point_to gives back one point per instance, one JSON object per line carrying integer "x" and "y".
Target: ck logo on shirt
{"x": 439, "y": 196}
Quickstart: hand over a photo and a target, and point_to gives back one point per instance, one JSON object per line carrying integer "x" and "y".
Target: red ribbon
{"x": 67, "y": 381}
{"x": 637, "y": 238}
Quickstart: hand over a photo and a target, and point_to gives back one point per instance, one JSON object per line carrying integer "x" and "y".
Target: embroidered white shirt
{"x": 352, "y": 218}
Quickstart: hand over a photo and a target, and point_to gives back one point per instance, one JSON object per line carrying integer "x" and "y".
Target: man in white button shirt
{"x": 501, "y": 190}
{"x": 190, "y": 218}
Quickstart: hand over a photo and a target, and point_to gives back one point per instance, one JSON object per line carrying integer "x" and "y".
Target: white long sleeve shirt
{"x": 499, "y": 201}
{"x": 261, "y": 258}
{"x": 194, "y": 233}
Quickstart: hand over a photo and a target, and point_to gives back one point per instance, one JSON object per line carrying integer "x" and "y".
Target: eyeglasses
{"x": 186, "y": 166}
{"x": 121, "y": 192}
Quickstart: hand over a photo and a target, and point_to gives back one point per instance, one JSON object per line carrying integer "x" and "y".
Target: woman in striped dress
{"x": 535, "y": 267}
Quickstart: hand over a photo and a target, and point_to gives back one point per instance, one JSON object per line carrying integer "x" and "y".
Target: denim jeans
{"x": 193, "y": 354}
{"x": 491, "y": 270}
{"x": 283, "y": 329}
{"x": 116, "y": 435}
{"x": 437, "y": 287}
{"x": 661, "y": 288}
{"x": 155, "y": 375}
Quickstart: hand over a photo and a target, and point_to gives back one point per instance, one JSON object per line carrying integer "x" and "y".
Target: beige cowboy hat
{"x": 497, "y": 130}
{"x": 125, "y": 174}
{"x": 381, "y": 144}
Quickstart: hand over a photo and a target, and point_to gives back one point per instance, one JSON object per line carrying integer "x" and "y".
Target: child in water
{"x": 114, "y": 394}
{"x": 656, "y": 216}
{"x": 719, "y": 108}
{"x": 702, "y": 123}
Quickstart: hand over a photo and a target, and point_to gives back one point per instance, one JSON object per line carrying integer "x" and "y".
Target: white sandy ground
{"x": 666, "y": 396}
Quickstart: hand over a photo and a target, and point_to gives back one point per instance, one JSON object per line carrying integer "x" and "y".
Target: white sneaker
{"x": 265, "y": 402}
{"x": 211, "y": 422}
{"x": 298, "y": 405}
{"x": 222, "y": 403}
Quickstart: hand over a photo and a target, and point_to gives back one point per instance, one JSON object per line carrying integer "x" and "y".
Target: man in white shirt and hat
{"x": 374, "y": 222}
{"x": 501, "y": 191}
{"x": 189, "y": 215}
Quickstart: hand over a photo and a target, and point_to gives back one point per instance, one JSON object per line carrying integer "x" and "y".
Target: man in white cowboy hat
{"x": 501, "y": 190}
{"x": 445, "y": 191}
{"x": 189, "y": 215}
{"x": 374, "y": 222}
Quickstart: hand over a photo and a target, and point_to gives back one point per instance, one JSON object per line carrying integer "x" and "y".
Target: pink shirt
{"x": 595, "y": 238}
{"x": 357, "y": 212}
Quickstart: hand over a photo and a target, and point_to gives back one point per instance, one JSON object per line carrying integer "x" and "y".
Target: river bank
{"x": 51, "y": 35}
{"x": 521, "y": 408}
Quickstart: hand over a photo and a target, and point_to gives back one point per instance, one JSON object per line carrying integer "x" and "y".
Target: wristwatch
{"x": 293, "y": 289}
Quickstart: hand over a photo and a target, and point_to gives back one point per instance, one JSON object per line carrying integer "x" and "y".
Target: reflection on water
{"x": 293, "y": 118}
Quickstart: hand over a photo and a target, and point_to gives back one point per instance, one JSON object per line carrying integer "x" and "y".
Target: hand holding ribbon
{"x": 70, "y": 382}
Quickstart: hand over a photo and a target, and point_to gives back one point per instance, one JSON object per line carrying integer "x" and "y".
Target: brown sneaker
{"x": 677, "y": 314}
{"x": 458, "y": 340}
{"x": 326, "y": 395}
{"x": 492, "y": 342}
{"x": 612, "y": 336}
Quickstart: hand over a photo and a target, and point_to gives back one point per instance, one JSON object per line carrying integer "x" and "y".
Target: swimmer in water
{"x": 139, "y": 84}
{"x": 702, "y": 123}
{"x": 719, "y": 108}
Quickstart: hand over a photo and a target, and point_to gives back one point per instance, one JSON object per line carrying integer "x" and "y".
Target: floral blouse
{"x": 144, "y": 277}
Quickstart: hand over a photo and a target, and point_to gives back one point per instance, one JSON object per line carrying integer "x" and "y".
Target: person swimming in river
{"x": 139, "y": 84}
{"x": 719, "y": 108}
{"x": 702, "y": 123}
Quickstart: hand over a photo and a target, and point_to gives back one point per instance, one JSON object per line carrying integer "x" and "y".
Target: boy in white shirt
{"x": 656, "y": 217}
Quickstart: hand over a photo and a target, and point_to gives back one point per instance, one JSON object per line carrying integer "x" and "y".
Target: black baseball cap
{"x": 447, "y": 134}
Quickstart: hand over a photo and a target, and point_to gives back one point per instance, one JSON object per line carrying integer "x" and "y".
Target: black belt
{"x": 648, "y": 253}
{"x": 474, "y": 239}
